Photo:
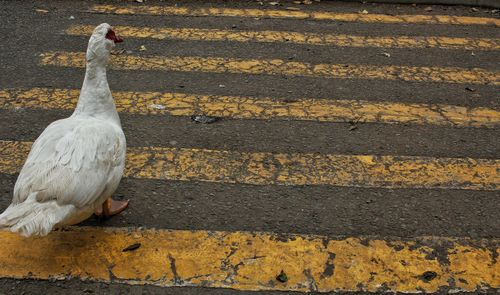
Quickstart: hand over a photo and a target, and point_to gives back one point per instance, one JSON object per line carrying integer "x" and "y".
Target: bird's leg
{"x": 111, "y": 207}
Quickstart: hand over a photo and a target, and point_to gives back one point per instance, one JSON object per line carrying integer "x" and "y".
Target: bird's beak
{"x": 113, "y": 37}
{"x": 118, "y": 39}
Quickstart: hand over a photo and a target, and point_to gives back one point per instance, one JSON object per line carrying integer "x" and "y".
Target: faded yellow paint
{"x": 281, "y": 67}
{"x": 253, "y": 260}
{"x": 290, "y": 14}
{"x": 292, "y": 169}
{"x": 324, "y": 110}
{"x": 473, "y": 266}
{"x": 296, "y": 37}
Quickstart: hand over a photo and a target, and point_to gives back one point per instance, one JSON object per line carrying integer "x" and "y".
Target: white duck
{"x": 76, "y": 164}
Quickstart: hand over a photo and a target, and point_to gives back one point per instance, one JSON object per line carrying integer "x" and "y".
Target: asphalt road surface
{"x": 354, "y": 147}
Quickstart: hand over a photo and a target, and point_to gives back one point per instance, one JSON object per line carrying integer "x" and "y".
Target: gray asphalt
{"x": 32, "y": 287}
{"x": 324, "y": 210}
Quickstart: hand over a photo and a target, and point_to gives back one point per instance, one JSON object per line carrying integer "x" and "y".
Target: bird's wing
{"x": 71, "y": 162}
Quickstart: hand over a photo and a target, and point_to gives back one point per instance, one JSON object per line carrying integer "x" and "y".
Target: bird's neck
{"x": 95, "y": 97}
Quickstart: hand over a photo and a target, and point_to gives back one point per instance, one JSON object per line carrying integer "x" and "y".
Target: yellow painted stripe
{"x": 262, "y": 168}
{"x": 254, "y": 260}
{"x": 289, "y": 14}
{"x": 324, "y": 110}
{"x": 296, "y": 37}
{"x": 280, "y": 67}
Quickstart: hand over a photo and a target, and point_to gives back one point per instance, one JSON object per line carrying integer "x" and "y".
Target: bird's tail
{"x": 32, "y": 217}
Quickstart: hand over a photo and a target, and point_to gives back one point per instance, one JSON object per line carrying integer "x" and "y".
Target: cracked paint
{"x": 200, "y": 34}
{"x": 261, "y": 168}
{"x": 289, "y": 14}
{"x": 251, "y": 261}
{"x": 280, "y": 67}
{"x": 237, "y": 107}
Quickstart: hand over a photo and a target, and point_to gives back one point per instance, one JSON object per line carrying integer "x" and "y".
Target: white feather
{"x": 76, "y": 163}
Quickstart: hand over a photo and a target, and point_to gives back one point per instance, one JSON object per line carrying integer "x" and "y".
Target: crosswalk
{"x": 279, "y": 67}
{"x": 297, "y": 38}
{"x": 256, "y": 260}
{"x": 293, "y": 169}
{"x": 290, "y": 14}
{"x": 241, "y": 107}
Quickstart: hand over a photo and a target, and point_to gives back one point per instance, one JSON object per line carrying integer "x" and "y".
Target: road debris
{"x": 203, "y": 119}
{"x": 364, "y": 11}
{"x": 470, "y": 89}
{"x": 41, "y": 10}
{"x": 282, "y": 277}
{"x": 158, "y": 106}
{"x": 386, "y": 54}
{"x": 428, "y": 9}
{"x": 71, "y": 17}
{"x": 132, "y": 247}
{"x": 142, "y": 48}
{"x": 428, "y": 276}
{"x": 118, "y": 52}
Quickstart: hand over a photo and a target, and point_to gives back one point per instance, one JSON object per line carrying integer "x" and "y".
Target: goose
{"x": 76, "y": 164}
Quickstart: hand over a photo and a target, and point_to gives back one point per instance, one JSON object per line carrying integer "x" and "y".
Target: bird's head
{"x": 101, "y": 42}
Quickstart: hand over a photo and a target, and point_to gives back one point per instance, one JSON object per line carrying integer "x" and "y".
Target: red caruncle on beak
{"x": 113, "y": 37}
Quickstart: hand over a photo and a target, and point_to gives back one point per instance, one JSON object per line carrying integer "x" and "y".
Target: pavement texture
{"x": 355, "y": 147}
